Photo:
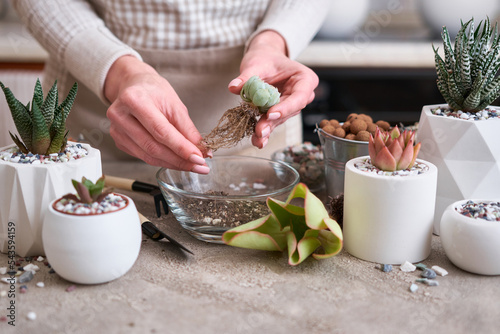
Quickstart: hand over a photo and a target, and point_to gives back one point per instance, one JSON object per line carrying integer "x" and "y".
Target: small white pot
{"x": 92, "y": 249}
{"x": 26, "y": 192}
{"x": 388, "y": 219}
{"x": 466, "y": 153}
{"x": 471, "y": 244}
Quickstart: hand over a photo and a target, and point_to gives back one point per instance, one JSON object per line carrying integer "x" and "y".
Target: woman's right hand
{"x": 148, "y": 120}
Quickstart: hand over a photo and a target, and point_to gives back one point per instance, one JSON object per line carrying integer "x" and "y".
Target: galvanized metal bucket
{"x": 337, "y": 151}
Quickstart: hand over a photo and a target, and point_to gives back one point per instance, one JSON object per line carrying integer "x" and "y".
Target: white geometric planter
{"x": 466, "y": 153}
{"x": 26, "y": 193}
{"x": 92, "y": 249}
{"x": 388, "y": 219}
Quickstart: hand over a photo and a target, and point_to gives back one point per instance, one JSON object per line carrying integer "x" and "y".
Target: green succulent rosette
{"x": 303, "y": 231}
{"x": 260, "y": 94}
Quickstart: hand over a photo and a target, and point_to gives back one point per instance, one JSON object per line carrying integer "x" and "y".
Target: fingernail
{"x": 200, "y": 169}
{"x": 196, "y": 159}
{"x": 264, "y": 143}
{"x": 273, "y": 116}
{"x": 235, "y": 82}
{"x": 210, "y": 153}
{"x": 265, "y": 132}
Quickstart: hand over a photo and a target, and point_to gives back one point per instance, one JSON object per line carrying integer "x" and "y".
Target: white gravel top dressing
{"x": 73, "y": 151}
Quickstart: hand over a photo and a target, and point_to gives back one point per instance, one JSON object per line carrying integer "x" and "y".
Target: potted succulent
{"x": 470, "y": 230}
{"x": 37, "y": 169}
{"x": 461, "y": 136}
{"x": 389, "y": 199}
{"x": 92, "y": 237}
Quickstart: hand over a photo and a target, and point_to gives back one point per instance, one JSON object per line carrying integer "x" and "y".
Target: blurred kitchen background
{"x": 372, "y": 56}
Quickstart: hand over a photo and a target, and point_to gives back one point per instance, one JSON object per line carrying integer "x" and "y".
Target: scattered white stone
{"x": 3, "y": 270}
{"x": 440, "y": 271}
{"x": 216, "y": 221}
{"x": 259, "y": 186}
{"x": 40, "y": 284}
{"x": 8, "y": 280}
{"x": 413, "y": 287}
{"x": 207, "y": 220}
{"x": 408, "y": 267}
{"x": 31, "y": 316}
{"x": 3, "y": 293}
{"x": 40, "y": 259}
{"x": 31, "y": 267}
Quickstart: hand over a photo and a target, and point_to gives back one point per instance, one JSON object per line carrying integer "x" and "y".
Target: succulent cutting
{"x": 467, "y": 76}
{"x": 239, "y": 122}
{"x": 391, "y": 151}
{"x": 89, "y": 192}
{"x": 41, "y": 126}
{"x": 301, "y": 230}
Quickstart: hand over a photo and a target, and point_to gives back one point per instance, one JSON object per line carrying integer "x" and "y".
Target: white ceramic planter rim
{"x": 432, "y": 169}
{"x": 429, "y": 107}
{"x": 127, "y": 202}
{"x": 471, "y": 220}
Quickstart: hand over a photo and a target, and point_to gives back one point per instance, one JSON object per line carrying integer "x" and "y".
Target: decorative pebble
{"x": 420, "y": 266}
{"x": 408, "y": 267}
{"x": 40, "y": 259}
{"x": 31, "y": 267}
{"x": 40, "y": 284}
{"x": 440, "y": 271}
{"x": 386, "y": 268}
{"x": 3, "y": 293}
{"x": 3, "y": 318}
{"x": 413, "y": 287}
{"x": 484, "y": 210}
{"x": 71, "y": 288}
{"x": 3, "y": 270}
{"x": 428, "y": 273}
{"x": 31, "y": 316}
{"x": 52, "y": 271}
{"x": 72, "y": 152}
{"x": 8, "y": 280}
{"x": 487, "y": 113}
{"x": 426, "y": 281}
{"x": 23, "y": 289}
{"x": 26, "y": 277}
{"x": 366, "y": 166}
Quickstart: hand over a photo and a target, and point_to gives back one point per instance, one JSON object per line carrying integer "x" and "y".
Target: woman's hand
{"x": 267, "y": 57}
{"x": 148, "y": 120}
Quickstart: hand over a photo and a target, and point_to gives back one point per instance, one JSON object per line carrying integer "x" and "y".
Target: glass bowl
{"x": 233, "y": 193}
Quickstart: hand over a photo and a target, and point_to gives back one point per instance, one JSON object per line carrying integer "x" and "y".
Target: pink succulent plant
{"x": 393, "y": 150}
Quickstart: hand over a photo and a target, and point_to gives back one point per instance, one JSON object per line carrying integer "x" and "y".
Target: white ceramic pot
{"x": 343, "y": 18}
{"x": 466, "y": 153}
{"x": 28, "y": 189}
{"x": 471, "y": 244}
{"x": 92, "y": 249}
{"x": 388, "y": 219}
{"x": 449, "y": 13}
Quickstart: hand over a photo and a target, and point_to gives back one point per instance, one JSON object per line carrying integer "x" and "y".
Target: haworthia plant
{"x": 467, "y": 76}
{"x": 42, "y": 127}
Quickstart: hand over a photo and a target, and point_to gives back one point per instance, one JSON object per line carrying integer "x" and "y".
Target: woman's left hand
{"x": 267, "y": 57}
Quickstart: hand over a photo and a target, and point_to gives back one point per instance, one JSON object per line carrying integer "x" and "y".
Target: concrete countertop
{"x": 221, "y": 289}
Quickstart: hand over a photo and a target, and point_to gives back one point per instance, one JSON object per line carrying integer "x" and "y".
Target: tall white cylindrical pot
{"x": 388, "y": 219}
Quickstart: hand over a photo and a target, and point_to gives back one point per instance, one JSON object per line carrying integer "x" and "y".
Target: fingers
{"x": 142, "y": 130}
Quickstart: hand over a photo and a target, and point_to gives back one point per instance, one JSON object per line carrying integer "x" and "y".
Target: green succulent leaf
{"x": 466, "y": 76}
{"x": 20, "y": 115}
{"x": 260, "y": 94}
{"x": 41, "y": 135}
{"x": 303, "y": 231}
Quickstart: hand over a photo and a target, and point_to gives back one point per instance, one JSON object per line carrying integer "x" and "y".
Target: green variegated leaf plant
{"x": 302, "y": 231}
{"x": 89, "y": 192}
{"x": 41, "y": 123}
{"x": 239, "y": 122}
{"x": 467, "y": 76}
